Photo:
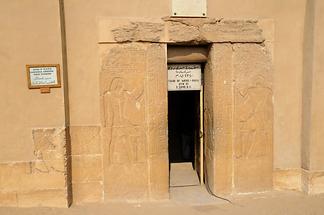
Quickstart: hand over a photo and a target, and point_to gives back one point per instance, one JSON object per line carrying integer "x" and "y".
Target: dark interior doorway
{"x": 184, "y": 125}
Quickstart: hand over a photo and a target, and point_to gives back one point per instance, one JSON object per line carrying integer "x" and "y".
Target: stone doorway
{"x": 238, "y": 106}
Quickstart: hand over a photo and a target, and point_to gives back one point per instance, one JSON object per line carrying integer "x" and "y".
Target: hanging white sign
{"x": 184, "y": 77}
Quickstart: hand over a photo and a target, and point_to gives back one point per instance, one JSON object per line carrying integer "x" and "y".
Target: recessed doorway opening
{"x": 185, "y": 125}
{"x": 184, "y": 137}
{"x": 184, "y": 108}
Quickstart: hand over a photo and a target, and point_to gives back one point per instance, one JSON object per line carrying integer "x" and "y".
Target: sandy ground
{"x": 273, "y": 203}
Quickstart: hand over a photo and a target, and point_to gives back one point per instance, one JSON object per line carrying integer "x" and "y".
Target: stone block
{"x": 43, "y": 198}
{"x": 232, "y": 31}
{"x": 8, "y": 199}
{"x": 139, "y": 31}
{"x": 159, "y": 176}
{"x": 12, "y": 174}
{"x": 287, "y": 179}
{"x": 126, "y": 182}
{"x": 316, "y": 183}
{"x": 312, "y": 182}
{"x": 43, "y": 181}
{"x": 22, "y": 177}
{"x": 49, "y": 166}
{"x": 268, "y": 32}
{"x": 156, "y": 100}
{"x": 86, "y": 168}
{"x": 49, "y": 143}
{"x": 179, "y": 30}
{"x": 85, "y": 140}
{"x": 87, "y": 192}
{"x": 131, "y": 30}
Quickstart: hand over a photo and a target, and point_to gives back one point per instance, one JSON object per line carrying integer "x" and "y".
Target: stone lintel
{"x": 179, "y": 30}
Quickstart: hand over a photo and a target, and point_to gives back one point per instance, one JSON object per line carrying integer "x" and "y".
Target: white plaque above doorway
{"x": 184, "y": 77}
{"x": 189, "y": 8}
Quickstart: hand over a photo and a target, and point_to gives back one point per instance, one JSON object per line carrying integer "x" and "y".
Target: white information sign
{"x": 189, "y": 8}
{"x": 184, "y": 77}
{"x": 43, "y": 76}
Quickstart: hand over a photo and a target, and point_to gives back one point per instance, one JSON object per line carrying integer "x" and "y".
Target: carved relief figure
{"x": 48, "y": 151}
{"x": 255, "y": 119}
{"x": 122, "y": 113}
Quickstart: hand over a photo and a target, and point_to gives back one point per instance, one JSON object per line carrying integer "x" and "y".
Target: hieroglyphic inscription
{"x": 156, "y": 84}
{"x": 156, "y": 123}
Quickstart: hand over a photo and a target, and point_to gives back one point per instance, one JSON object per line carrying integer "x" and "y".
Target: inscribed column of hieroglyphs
{"x": 218, "y": 118}
{"x": 156, "y": 119}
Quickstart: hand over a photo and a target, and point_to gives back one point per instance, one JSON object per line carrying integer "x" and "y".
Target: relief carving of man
{"x": 125, "y": 138}
{"x": 255, "y": 119}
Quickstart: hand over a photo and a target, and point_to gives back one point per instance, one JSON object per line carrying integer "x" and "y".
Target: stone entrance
{"x": 238, "y": 113}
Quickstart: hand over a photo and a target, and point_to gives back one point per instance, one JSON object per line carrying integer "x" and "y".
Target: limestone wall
{"x": 82, "y": 21}
{"x": 35, "y": 132}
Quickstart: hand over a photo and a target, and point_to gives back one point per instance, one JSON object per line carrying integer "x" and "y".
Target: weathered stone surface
{"x": 253, "y": 118}
{"x": 49, "y": 143}
{"x": 287, "y": 179}
{"x": 87, "y": 192}
{"x": 43, "y": 198}
{"x": 86, "y": 168}
{"x": 268, "y": 32}
{"x": 85, "y": 140}
{"x": 139, "y": 31}
{"x": 180, "y": 30}
{"x": 232, "y": 31}
{"x": 131, "y": 30}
